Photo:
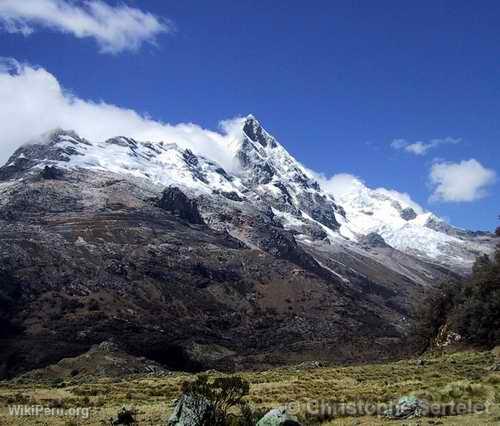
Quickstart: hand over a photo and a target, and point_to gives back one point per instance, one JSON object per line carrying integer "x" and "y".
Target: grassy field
{"x": 464, "y": 376}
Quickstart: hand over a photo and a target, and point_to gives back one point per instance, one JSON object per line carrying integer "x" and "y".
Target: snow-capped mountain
{"x": 199, "y": 266}
{"x": 265, "y": 176}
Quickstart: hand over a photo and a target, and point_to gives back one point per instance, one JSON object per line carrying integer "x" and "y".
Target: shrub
{"x": 125, "y": 417}
{"x": 222, "y": 394}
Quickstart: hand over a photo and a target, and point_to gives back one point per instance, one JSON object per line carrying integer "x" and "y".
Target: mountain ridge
{"x": 265, "y": 172}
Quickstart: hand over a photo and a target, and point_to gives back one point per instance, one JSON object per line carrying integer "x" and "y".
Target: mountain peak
{"x": 254, "y": 131}
{"x": 54, "y": 136}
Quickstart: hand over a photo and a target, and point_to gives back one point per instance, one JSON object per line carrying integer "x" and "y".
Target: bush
{"x": 222, "y": 394}
{"x": 125, "y": 417}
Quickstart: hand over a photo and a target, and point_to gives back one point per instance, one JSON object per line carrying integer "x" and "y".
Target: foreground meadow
{"x": 464, "y": 376}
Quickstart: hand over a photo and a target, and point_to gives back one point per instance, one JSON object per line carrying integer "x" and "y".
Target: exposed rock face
{"x": 374, "y": 240}
{"x": 176, "y": 202}
{"x": 256, "y": 133}
{"x": 408, "y": 214}
{"x": 50, "y": 172}
{"x": 279, "y": 179}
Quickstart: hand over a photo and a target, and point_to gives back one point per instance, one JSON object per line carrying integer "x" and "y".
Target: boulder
{"x": 190, "y": 410}
{"x": 278, "y": 417}
{"x": 407, "y": 407}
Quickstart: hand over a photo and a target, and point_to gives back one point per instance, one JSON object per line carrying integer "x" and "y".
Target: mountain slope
{"x": 195, "y": 266}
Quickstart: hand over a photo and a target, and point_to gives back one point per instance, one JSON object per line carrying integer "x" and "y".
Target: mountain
{"x": 406, "y": 227}
{"x": 195, "y": 266}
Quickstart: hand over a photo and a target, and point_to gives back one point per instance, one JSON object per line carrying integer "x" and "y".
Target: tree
{"x": 432, "y": 313}
{"x": 476, "y": 313}
{"x": 470, "y": 307}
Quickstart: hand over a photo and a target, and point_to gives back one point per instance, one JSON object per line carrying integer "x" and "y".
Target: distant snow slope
{"x": 406, "y": 226}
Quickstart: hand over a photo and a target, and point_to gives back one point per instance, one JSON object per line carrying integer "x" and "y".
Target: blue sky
{"x": 336, "y": 82}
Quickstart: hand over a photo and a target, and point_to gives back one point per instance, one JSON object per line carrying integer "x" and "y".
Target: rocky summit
{"x": 196, "y": 266}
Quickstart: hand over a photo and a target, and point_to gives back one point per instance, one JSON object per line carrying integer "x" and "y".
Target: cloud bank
{"x": 115, "y": 29}
{"x": 460, "y": 182}
{"x": 421, "y": 148}
{"x": 37, "y": 103}
{"x": 342, "y": 185}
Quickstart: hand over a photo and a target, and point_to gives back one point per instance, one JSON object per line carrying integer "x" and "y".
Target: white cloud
{"x": 403, "y": 197}
{"x": 399, "y": 143}
{"x": 338, "y": 185}
{"x": 459, "y": 182}
{"x": 421, "y": 148}
{"x": 37, "y": 103}
{"x": 115, "y": 29}
{"x": 343, "y": 185}
{"x": 418, "y": 148}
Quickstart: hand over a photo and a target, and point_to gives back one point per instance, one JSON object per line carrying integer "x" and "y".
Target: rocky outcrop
{"x": 175, "y": 201}
{"x": 106, "y": 359}
{"x": 408, "y": 214}
{"x": 51, "y": 172}
{"x": 373, "y": 240}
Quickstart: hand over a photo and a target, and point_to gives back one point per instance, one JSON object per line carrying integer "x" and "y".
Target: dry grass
{"x": 441, "y": 379}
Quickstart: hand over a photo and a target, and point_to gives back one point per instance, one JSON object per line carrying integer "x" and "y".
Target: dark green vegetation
{"x": 469, "y": 308}
{"x": 224, "y": 395}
